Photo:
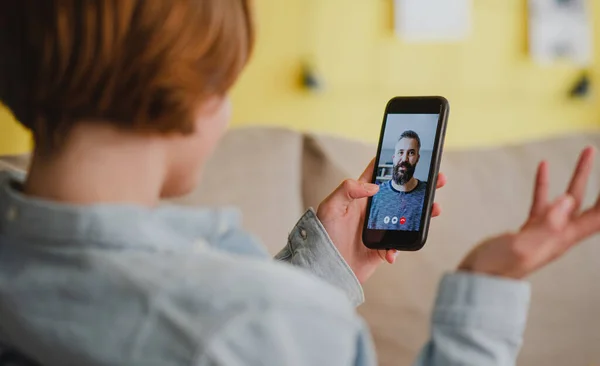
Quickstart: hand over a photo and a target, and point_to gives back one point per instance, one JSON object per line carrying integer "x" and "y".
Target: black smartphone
{"x": 406, "y": 169}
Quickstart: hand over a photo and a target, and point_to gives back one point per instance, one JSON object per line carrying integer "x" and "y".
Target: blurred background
{"x": 499, "y": 94}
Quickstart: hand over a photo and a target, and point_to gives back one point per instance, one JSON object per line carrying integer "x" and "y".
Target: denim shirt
{"x": 125, "y": 285}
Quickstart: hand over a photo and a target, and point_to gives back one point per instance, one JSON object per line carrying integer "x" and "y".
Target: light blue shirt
{"x": 124, "y": 285}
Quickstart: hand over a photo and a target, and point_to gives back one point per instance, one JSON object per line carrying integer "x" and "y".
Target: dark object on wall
{"x": 311, "y": 79}
{"x": 582, "y": 87}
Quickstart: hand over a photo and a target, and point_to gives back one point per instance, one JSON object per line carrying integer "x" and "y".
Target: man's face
{"x": 406, "y": 157}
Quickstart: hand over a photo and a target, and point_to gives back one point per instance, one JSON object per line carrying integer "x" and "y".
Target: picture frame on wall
{"x": 433, "y": 20}
{"x": 560, "y": 30}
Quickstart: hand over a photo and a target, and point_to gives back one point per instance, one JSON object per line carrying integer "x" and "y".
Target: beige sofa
{"x": 273, "y": 175}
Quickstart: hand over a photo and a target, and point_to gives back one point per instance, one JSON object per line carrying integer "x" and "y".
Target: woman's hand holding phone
{"x": 343, "y": 213}
{"x": 549, "y": 232}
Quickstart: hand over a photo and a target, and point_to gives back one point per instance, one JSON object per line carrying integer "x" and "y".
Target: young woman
{"x": 126, "y": 100}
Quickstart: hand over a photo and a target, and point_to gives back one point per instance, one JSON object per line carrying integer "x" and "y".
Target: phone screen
{"x": 403, "y": 168}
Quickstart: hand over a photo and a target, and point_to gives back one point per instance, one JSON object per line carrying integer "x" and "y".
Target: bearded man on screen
{"x": 399, "y": 203}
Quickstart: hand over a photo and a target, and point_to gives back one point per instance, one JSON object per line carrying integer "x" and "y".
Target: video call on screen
{"x": 402, "y": 172}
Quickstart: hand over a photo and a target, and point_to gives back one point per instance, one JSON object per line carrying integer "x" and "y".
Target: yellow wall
{"x": 498, "y": 95}
{"x": 13, "y": 138}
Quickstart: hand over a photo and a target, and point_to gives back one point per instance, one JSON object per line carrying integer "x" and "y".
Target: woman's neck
{"x": 98, "y": 164}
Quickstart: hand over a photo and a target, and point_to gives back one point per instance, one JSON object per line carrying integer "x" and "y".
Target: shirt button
{"x": 11, "y": 214}
{"x": 303, "y": 234}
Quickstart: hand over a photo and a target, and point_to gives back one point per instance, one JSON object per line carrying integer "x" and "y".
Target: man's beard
{"x": 402, "y": 177}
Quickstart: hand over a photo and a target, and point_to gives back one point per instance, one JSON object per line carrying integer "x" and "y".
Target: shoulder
{"x": 422, "y": 186}
{"x": 280, "y": 285}
{"x": 286, "y": 315}
{"x": 223, "y": 286}
{"x": 387, "y": 184}
{"x": 386, "y": 187}
{"x": 260, "y": 309}
{"x": 286, "y": 287}
{"x": 194, "y": 303}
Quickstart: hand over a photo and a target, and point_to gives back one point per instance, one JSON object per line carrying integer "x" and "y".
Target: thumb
{"x": 351, "y": 190}
{"x": 366, "y": 176}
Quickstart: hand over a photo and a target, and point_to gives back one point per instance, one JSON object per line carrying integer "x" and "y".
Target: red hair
{"x": 140, "y": 65}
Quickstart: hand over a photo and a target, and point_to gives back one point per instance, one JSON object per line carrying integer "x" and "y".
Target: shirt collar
{"x": 108, "y": 224}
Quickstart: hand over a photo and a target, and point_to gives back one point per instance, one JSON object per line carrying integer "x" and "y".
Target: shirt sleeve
{"x": 310, "y": 247}
{"x": 477, "y": 320}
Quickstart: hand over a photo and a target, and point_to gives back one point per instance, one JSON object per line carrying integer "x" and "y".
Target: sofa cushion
{"x": 326, "y": 162}
{"x": 258, "y": 171}
{"x": 488, "y": 192}
{"x": 14, "y": 162}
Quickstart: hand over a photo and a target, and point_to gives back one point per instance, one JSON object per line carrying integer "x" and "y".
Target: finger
{"x": 540, "y": 191}
{"x": 584, "y": 226}
{"x": 581, "y": 176}
{"x": 390, "y": 256}
{"x": 351, "y": 190}
{"x": 436, "y": 210}
{"x": 367, "y": 175}
{"x": 441, "y": 181}
{"x": 559, "y": 213}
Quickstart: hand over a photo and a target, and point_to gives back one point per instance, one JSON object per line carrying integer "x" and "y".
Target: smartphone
{"x": 406, "y": 169}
